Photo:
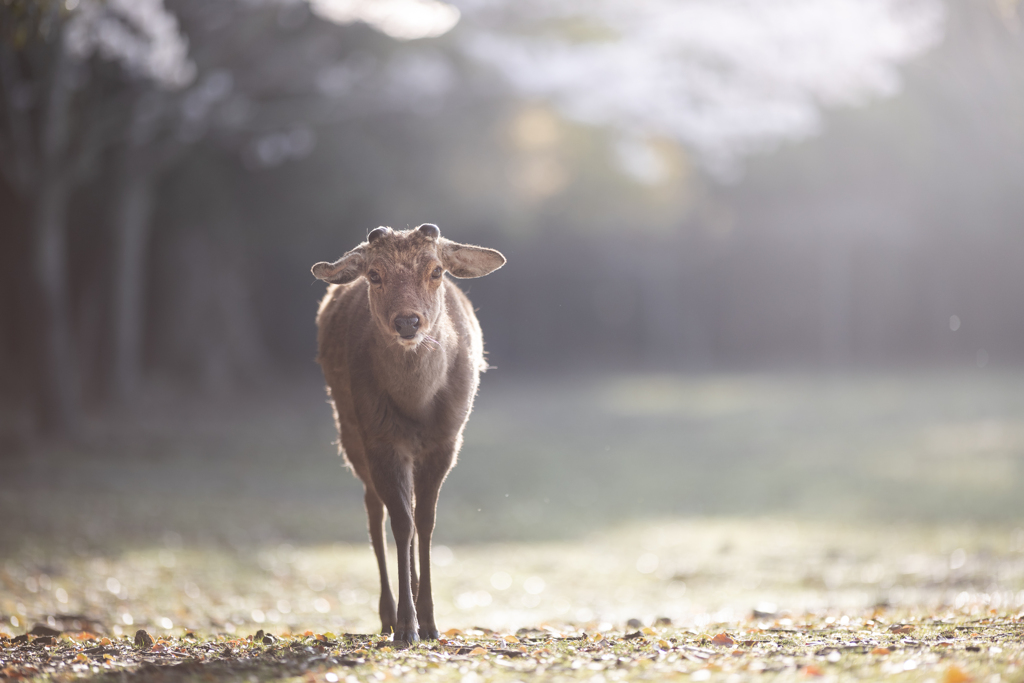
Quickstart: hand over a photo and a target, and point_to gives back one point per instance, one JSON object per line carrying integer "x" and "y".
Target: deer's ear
{"x": 344, "y": 270}
{"x": 465, "y": 260}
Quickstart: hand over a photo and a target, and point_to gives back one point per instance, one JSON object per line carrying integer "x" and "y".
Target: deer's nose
{"x": 406, "y": 326}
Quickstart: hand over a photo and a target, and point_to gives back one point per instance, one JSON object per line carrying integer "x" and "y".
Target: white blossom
{"x": 139, "y": 34}
{"x": 723, "y": 77}
{"x": 400, "y": 19}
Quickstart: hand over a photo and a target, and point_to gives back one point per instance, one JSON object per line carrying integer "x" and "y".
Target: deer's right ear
{"x": 344, "y": 270}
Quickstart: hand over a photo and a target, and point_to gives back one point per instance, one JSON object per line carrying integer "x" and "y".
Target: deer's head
{"x": 404, "y": 270}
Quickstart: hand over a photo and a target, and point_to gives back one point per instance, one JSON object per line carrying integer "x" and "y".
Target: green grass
{"x": 547, "y": 458}
{"x": 594, "y": 451}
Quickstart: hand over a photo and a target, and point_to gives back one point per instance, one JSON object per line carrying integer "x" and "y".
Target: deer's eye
{"x": 437, "y": 272}
{"x": 374, "y": 277}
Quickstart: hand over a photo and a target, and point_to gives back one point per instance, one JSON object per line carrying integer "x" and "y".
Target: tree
{"x": 725, "y": 80}
{"x": 43, "y": 52}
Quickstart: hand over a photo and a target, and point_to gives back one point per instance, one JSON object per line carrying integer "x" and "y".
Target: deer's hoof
{"x": 429, "y": 634}
{"x": 406, "y": 635}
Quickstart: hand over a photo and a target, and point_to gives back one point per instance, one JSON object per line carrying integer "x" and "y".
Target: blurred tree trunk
{"x": 39, "y": 168}
{"x": 676, "y": 333}
{"x": 132, "y": 223}
{"x": 58, "y": 377}
{"x": 139, "y": 163}
{"x": 836, "y": 298}
{"x": 662, "y": 322}
{"x": 57, "y": 371}
{"x": 138, "y": 166}
{"x": 207, "y": 327}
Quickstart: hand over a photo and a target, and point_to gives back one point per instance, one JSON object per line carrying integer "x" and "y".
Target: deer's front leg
{"x": 375, "y": 514}
{"x": 428, "y": 478}
{"x": 392, "y": 478}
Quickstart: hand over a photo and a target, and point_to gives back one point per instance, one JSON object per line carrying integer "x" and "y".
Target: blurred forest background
{"x": 746, "y": 240}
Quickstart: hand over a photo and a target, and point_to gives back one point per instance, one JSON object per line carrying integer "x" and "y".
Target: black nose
{"x": 407, "y": 326}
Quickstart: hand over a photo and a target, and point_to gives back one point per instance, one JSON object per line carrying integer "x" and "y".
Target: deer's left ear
{"x": 465, "y": 260}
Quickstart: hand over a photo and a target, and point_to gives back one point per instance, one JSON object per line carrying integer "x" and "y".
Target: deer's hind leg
{"x": 412, "y": 563}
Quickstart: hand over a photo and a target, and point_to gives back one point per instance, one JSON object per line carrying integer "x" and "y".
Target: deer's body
{"x": 402, "y": 351}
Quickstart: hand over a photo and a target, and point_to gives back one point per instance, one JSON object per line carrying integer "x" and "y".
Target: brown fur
{"x": 400, "y": 404}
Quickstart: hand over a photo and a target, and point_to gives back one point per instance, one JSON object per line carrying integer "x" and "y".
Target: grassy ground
{"x": 792, "y": 598}
{"x": 597, "y": 528}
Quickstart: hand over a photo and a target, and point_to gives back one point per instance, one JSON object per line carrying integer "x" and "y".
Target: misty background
{"x": 763, "y": 257}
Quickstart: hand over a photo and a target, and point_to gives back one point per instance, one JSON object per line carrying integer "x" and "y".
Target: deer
{"x": 402, "y": 351}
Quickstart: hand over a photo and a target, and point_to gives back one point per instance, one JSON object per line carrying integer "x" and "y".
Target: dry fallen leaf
{"x": 901, "y": 628}
{"x": 812, "y": 670}
{"x": 510, "y": 639}
{"x": 478, "y": 651}
{"x": 452, "y": 632}
{"x": 955, "y": 674}
{"x": 723, "y": 639}
{"x": 881, "y": 651}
